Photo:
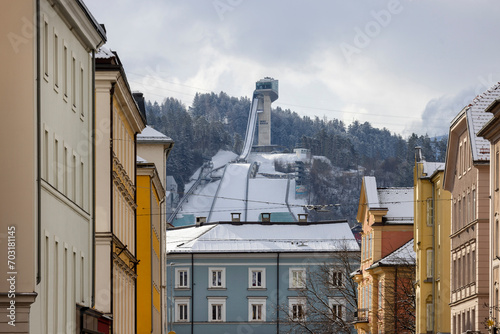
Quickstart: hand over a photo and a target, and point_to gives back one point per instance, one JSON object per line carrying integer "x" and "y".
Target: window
{"x": 73, "y": 83}
{"x": 297, "y": 308}
{"x": 182, "y": 309}
{"x": 430, "y": 316}
{"x": 429, "y": 212}
{"x": 497, "y": 175}
{"x": 216, "y": 277}
{"x": 297, "y": 278}
{"x": 336, "y": 277}
{"x": 380, "y": 295}
{"x": 45, "y": 49}
{"x": 56, "y": 60}
{"x": 430, "y": 260}
{"x": 257, "y": 309}
{"x": 474, "y": 204}
{"x": 181, "y": 278}
{"x": 65, "y": 72}
{"x": 216, "y": 309}
{"x": 256, "y": 278}
{"x": 337, "y": 306}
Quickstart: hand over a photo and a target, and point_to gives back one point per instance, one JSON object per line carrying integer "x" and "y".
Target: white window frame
{"x": 292, "y": 282}
{"x": 217, "y": 301}
{"x": 177, "y": 303}
{"x": 257, "y": 301}
{"x": 339, "y": 302}
{"x": 334, "y": 280}
{"x": 295, "y": 301}
{"x": 262, "y": 278}
{"x": 178, "y": 280}
{"x": 223, "y": 278}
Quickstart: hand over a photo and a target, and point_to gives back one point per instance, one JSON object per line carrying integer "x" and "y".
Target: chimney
{"x": 265, "y": 217}
{"x": 141, "y": 103}
{"x": 302, "y": 217}
{"x": 200, "y": 221}
{"x": 418, "y": 154}
{"x": 235, "y": 217}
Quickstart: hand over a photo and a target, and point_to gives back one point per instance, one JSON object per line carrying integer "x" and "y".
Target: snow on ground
{"x": 200, "y": 201}
{"x": 222, "y": 158}
{"x": 232, "y": 193}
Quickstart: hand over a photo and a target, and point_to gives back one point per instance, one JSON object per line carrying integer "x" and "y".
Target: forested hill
{"x": 218, "y": 121}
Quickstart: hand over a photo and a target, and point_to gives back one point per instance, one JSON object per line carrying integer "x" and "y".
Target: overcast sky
{"x": 409, "y": 66}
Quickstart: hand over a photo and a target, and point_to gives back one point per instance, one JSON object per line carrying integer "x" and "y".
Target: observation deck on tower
{"x": 267, "y": 86}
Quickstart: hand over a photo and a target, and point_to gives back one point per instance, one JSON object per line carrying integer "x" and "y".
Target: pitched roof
{"x": 477, "y": 118}
{"x": 404, "y": 255}
{"x": 151, "y": 135}
{"x": 432, "y": 167}
{"x": 398, "y": 201}
{"x": 255, "y": 238}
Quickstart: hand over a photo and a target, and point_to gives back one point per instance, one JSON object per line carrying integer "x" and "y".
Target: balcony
{"x": 361, "y": 315}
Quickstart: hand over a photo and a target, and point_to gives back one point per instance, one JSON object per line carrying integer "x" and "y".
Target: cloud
{"x": 409, "y": 69}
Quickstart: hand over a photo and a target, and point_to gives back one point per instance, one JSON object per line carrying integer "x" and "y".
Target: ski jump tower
{"x": 266, "y": 90}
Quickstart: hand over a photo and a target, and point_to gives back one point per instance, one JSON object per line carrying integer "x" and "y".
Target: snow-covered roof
{"x": 104, "y": 53}
{"x": 140, "y": 160}
{"x": 255, "y": 237}
{"x": 371, "y": 192}
{"x": 399, "y": 202}
{"x": 404, "y": 255}
{"x": 151, "y": 135}
{"x": 477, "y": 118}
{"x": 431, "y": 167}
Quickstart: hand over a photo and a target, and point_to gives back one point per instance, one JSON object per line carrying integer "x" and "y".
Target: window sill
{"x": 216, "y": 288}
{"x": 256, "y": 289}
{"x": 182, "y": 288}
{"x": 297, "y": 289}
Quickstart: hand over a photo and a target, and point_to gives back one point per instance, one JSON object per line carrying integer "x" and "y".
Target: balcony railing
{"x": 361, "y": 315}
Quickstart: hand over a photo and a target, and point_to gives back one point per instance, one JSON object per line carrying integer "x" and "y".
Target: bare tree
{"x": 396, "y": 295}
{"x": 328, "y": 300}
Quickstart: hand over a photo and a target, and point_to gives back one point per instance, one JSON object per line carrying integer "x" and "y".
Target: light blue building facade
{"x": 235, "y": 277}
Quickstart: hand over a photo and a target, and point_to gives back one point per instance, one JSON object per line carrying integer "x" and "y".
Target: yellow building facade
{"x": 386, "y": 216}
{"x": 432, "y": 247}
{"x": 118, "y": 120}
{"x": 150, "y": 195}
{"x": 153, "y": 147}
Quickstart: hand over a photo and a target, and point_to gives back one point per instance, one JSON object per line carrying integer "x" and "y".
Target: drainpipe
{"x": 277, "y": 293}
{"x": 151, "y": 246}
{"x": 111, "y": 215}
{"x": 38, "y": 149}
{"x": 163, "y": 260}
{"x": 192, "y": 293}
{"x": 92, "y": 293}
{"x": 433, "y": 257}
{"x": 134, "y": 166}
{"x": 396, "y": 301}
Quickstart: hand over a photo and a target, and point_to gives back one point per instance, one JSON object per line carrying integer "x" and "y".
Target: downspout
{"x": 92, "y": 293}
{"x": 151, "y": 246}
{"x": 135, "y": 232}
{"x": 433, "y": 257}
{"x": 162, "y": 258}
{"x": 111, "y": 145}
{"x": 38, "y": 149}
{"x": 192, "y": 293}
{"x": 277, "y": 293}
{"x": 396, "y": 301}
